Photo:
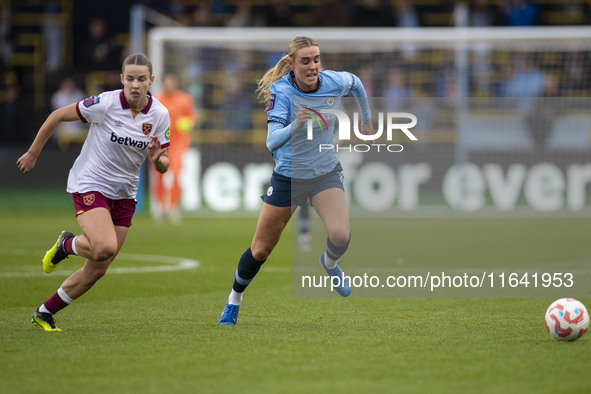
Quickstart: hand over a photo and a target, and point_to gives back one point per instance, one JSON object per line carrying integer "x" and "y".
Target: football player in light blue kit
{"x": 294, "y": 89}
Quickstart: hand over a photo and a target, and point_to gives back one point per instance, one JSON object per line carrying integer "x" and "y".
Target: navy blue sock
{"x": 336, "y": 252}
{"x": 247, "y": 269}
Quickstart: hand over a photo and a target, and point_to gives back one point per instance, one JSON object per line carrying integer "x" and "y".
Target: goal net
{"x": 503, "y": 116}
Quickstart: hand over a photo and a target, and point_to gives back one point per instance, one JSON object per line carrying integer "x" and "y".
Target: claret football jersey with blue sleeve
{"x": 116, "y": 145}
{"x": 300, "y": 157}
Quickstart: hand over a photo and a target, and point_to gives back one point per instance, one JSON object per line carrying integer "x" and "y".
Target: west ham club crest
{"x": 146, "y": 128}
{"x": 88, "y": 199}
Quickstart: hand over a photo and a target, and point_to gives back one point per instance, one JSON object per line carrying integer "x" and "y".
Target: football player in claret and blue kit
{"x": 126, "y": 126}
{"x": 295, "y": 89}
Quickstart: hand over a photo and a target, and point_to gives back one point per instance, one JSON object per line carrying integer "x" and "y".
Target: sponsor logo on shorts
{"x": 88, "y": 199}
{"x": 146, "y": 128}
{"x": 270, "y": 190}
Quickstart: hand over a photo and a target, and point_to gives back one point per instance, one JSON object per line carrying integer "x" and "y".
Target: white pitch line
{"x": 172, "y": 264}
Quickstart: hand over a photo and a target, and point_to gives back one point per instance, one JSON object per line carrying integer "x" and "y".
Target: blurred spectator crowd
{"x": 84, "y": 44}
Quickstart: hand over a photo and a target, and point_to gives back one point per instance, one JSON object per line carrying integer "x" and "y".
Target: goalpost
{"x": 488, "y": 141}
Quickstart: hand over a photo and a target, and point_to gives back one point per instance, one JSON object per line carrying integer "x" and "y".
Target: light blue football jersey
{"x": 300, "y": 157}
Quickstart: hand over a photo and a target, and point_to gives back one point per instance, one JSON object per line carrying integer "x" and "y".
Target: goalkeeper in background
{"x": 302, "y": 172}
{"x": 166, "y": 188}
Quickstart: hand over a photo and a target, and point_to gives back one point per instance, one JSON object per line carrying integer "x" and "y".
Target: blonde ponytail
{"x": 271, "y": 76}
{"x": 274, "y": 74}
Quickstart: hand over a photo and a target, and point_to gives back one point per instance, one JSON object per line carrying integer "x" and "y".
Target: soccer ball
{"x": 567, "y": 319}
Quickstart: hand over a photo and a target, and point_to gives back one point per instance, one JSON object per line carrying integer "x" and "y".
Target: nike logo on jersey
{"x": 128, "y": 141}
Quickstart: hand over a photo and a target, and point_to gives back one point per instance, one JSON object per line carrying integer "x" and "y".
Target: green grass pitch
{"x": 157, "y": 332}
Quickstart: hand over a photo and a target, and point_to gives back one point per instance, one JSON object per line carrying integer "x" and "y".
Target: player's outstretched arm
{"x": 64, "y": 114}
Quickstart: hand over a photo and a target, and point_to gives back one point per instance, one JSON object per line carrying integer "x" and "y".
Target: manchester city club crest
{"x": 88, "y": 199}
{"x": 330, "y": 101}
{"x": 146, "y": 128}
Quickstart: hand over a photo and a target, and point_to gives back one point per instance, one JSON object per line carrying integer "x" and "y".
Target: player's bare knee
{"x": 104, "y": 252}
{"x": 260, "y": 253}
{"x": 339, "y": 238}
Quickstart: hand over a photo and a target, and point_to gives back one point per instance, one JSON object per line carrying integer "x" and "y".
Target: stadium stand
{"x": 41, "y": 41}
